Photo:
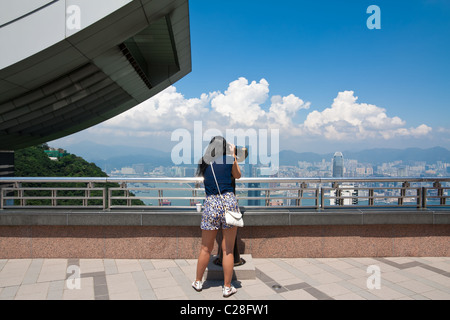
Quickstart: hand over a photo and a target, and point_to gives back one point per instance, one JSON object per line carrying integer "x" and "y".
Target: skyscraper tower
{"x": 338, "y": 165}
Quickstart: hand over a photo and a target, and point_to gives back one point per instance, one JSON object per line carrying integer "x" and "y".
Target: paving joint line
{"x": 413, "y": 264}
{"x": 278, "y": 288}
{"x": 100, "y": 285}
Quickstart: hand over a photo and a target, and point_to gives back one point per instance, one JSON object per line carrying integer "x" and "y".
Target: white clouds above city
{"x": 242, "y": 105}
{"x": 245, "y": 105}
{"x": 347, "y": 119}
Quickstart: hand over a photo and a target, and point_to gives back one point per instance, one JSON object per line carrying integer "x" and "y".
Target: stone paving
{"x": 418, "y": 278}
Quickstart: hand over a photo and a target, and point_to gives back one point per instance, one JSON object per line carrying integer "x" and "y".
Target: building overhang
{"x": 134, "y": 50}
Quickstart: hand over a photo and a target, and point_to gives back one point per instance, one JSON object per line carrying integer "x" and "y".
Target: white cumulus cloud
{"x": 241, "y": 102}
{"x": 348, "y": 119}
{"x": 164, "y": 112}
{"x": 247, "y": 104}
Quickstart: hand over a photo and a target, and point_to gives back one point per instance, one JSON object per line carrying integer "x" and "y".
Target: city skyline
{"x": 315, "y": 71}
{"x": 325, "y": 167}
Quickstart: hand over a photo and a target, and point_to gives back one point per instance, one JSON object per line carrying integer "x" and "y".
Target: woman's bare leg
{"x": 229, "y": 236}
{"x": 208, "y": 238}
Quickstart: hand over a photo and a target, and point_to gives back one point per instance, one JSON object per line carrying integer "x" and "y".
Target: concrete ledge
{"x": 326, "y": 218}
{"x": 441, "y": 218}
{"x": 252, "y": 217}
{"x": 398, "y": 218}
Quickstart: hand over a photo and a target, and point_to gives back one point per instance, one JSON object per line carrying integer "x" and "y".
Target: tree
{"x": 34, "y": 162}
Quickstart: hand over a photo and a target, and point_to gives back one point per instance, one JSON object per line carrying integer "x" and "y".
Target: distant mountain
{"x": 291, "y": 158}
{"x": 374, "y": 156}
{"x": 110, "y": 157}
{"x": 92, "y": 151}
{"x": 430, "y": 155}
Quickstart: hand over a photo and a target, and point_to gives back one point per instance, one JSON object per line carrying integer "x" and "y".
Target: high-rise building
{"x": 350, "y": 196}
{"x": 338, "y": 165}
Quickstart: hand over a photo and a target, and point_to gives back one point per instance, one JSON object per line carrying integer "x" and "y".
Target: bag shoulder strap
{"x": 218, "y": 189}
{"x": 212, "y": 169}
{"x": 237, "y": 215}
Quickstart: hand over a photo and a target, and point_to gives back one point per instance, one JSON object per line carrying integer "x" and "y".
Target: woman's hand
{"x": 232, "y": 149}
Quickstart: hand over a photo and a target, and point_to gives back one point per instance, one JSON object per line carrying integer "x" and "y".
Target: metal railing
{"x": 318, "y": 193}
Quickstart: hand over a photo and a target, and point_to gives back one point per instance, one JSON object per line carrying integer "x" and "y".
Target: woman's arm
{"x": 235, "y": 170}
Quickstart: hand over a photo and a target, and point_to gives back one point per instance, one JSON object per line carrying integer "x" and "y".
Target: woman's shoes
{"x": 228, "y": 291}
{"x": 197, "y": 285}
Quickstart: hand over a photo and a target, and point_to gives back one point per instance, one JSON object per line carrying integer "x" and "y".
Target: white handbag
{"x": 233, "y": 218}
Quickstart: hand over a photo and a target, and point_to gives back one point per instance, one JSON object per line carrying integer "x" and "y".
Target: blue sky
{"x": 310, "y": 68}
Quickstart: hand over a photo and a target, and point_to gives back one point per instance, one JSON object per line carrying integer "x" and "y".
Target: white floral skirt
{"x": 213, "y": 217}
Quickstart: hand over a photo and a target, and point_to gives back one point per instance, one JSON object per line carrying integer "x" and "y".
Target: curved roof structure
{"x": 66, "y": 65}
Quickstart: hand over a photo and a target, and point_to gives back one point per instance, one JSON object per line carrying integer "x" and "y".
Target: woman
{"x": 213, "y": 218}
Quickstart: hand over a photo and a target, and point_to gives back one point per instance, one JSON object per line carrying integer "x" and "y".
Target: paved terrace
{"x": 401, "y": 278}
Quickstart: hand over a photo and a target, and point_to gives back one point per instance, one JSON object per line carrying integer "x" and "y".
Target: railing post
{"x": 104, "y": 190}
{"x": 87, "y": 194}
{"x": 298, "y": 201}
{"x": 371, "y": 199}
{"x": 405, "y": 185}
{"x": 317, "y": 194}
{"x": 301, "y": 191}
{"x": 20, "y": 194}
{"x": 424, "y": 197}
{"x": 160, "y": 197}
{"x": 127, "y": 194}
{"x": 440, "y": 192}
{"x": 419, "y": 197}
{"x": 322, "y": 198}
{"x": 54, "y": 195}
{"x": 109, "y": 197}
{"x": 192, "y": 201}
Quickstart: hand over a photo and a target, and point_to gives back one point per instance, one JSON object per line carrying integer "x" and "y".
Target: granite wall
{"x": 183, "y": 242}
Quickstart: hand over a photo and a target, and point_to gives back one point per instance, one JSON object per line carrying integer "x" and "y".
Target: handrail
{"x": 319, "y": 193}
{"x": 199, "y": 179}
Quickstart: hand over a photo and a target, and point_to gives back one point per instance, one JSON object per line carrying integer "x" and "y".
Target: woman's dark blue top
{"x": 222, "y": 169}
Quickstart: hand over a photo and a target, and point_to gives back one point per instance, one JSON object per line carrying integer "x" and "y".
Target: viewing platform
{"x": 308, "y": 239}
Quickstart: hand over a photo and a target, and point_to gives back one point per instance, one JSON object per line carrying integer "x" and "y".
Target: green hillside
{"x": 34, "y": 162}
